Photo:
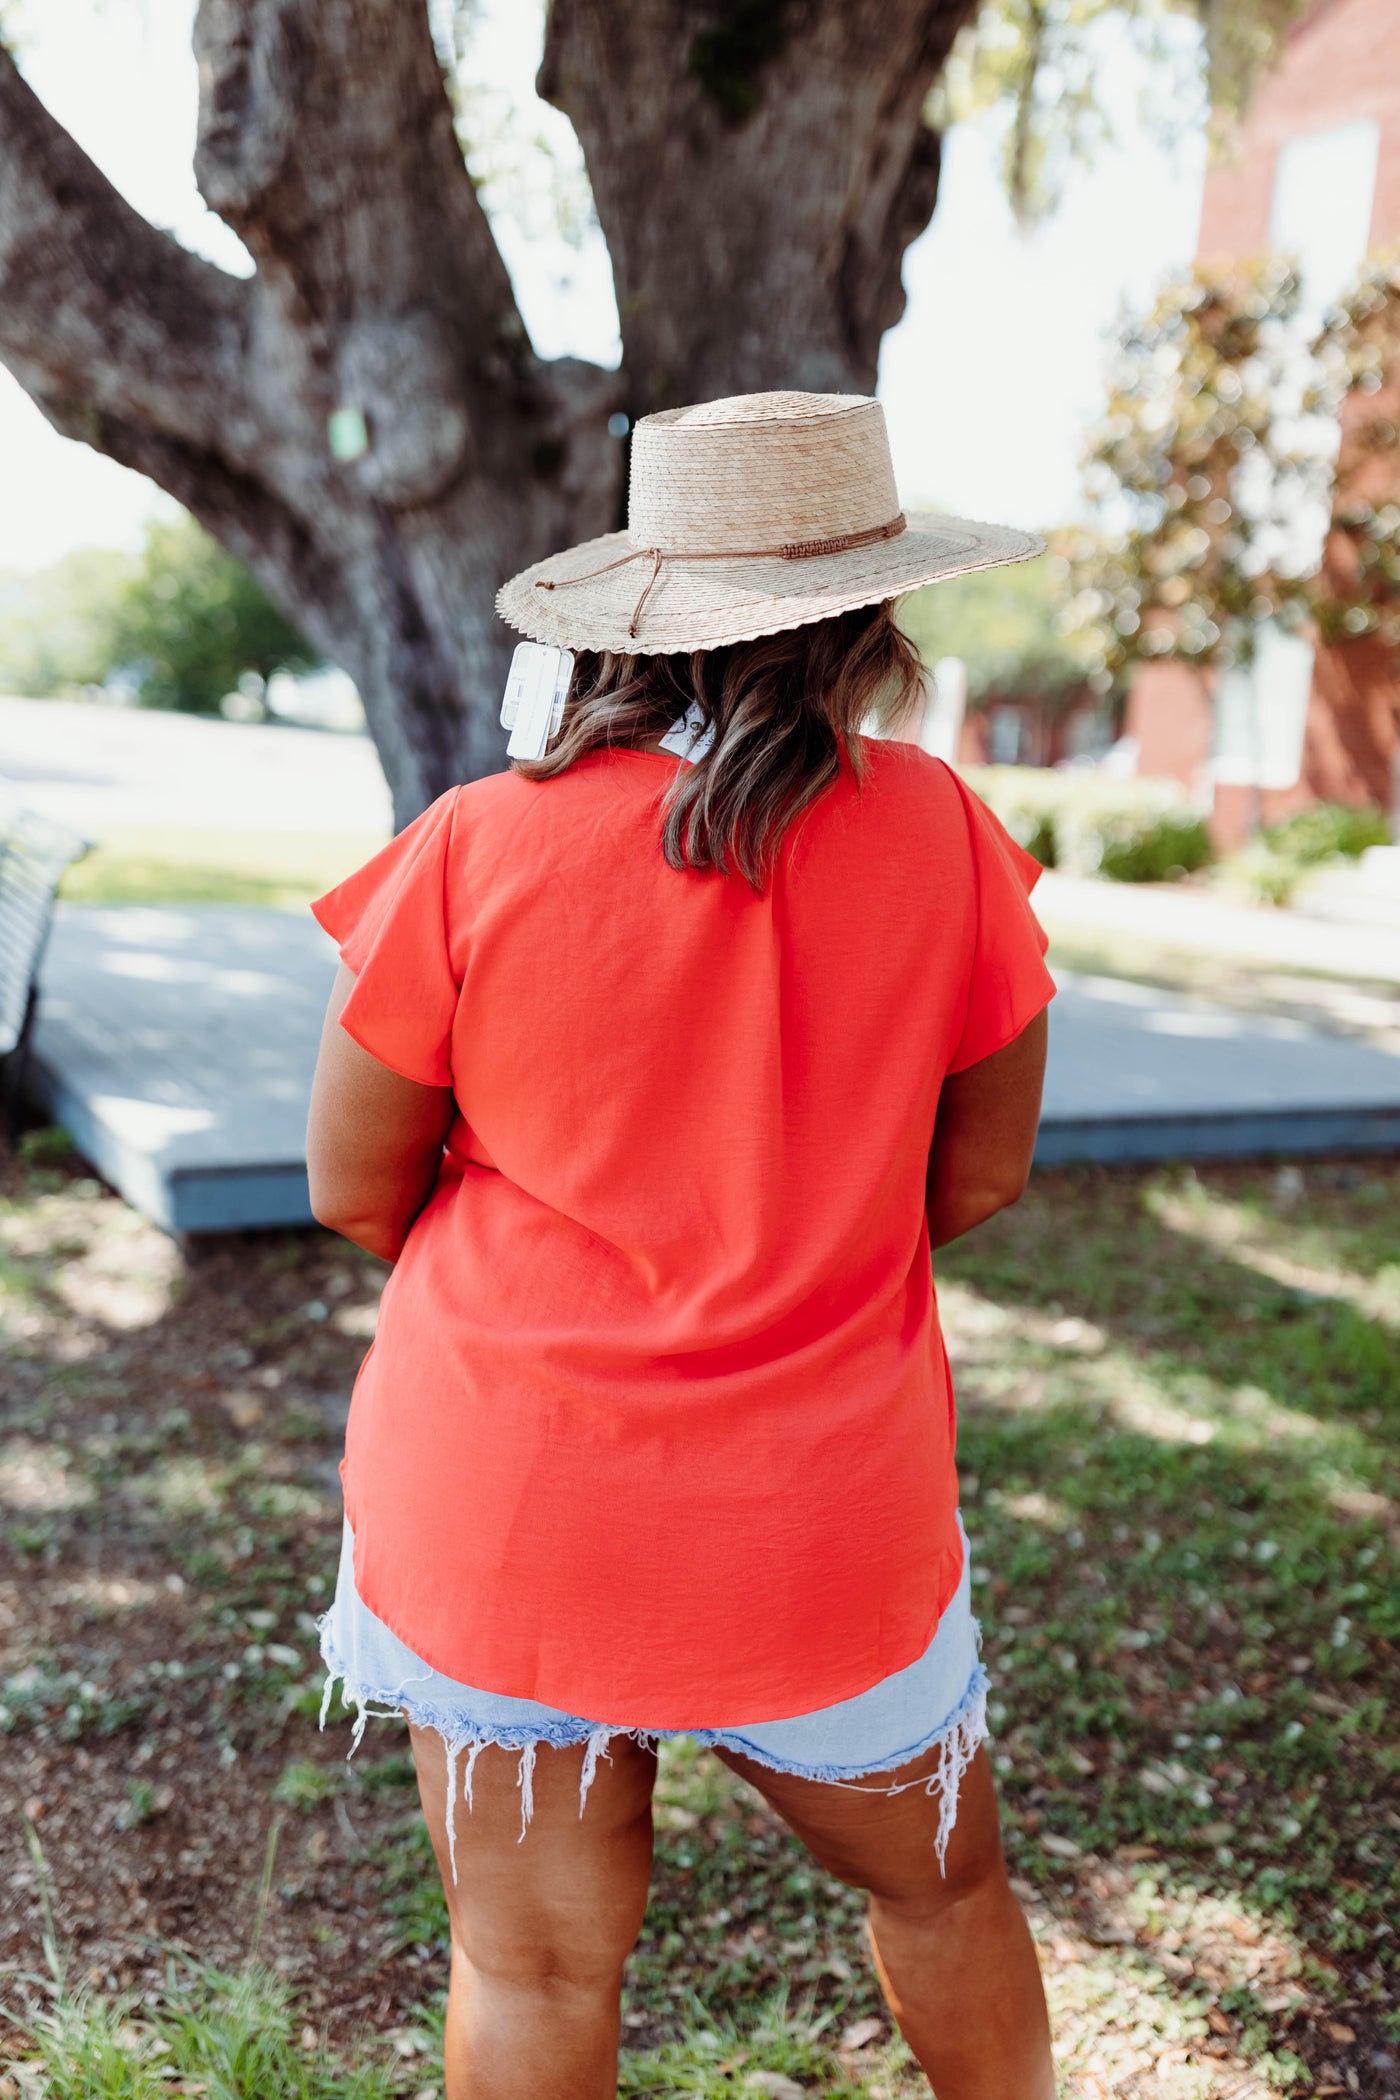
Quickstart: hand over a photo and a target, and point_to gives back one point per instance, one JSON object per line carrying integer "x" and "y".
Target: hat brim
{"x": 708, "y": 603}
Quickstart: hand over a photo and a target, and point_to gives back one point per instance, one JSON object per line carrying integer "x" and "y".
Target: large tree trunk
{"x": 758, "y": 173}
{"x": 759, "y": 170}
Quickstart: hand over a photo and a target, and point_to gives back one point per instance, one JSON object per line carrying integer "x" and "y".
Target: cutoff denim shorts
{"x": 937, "y": 1702}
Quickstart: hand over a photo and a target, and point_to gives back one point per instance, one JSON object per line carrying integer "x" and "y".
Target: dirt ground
{"x": 171, "y": 1424}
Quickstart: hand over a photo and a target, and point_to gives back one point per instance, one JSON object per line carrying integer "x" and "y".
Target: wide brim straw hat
{"x": 747, "y": 516}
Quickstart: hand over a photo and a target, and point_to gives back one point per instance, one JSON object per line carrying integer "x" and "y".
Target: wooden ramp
{"x": 1140, "y": 1073}
{"x": 177, "y": 1046}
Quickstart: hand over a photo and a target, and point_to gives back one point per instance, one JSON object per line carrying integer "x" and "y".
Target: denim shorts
{"x": 938, "y": 1702}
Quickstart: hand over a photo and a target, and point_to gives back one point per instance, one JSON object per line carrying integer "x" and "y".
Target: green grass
{"x": 227, "y": 2036}
{"x": 1178, "y": 1397}
{"x": 1179, "y": 1453}
{"x": 281, "y": 870}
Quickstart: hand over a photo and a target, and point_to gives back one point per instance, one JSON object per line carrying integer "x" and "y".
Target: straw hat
{"x": 746, "y": 516}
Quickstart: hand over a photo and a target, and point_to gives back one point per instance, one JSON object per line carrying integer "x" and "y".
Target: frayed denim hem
{"x": 957, "y": 1740}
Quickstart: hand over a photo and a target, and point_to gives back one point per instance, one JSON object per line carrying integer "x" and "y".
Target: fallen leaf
{"x": 1217, "y": 2022}
{"x": 1215, "y": 1833}
{"x": 1244, "y": 1930}
{"x": 1132, "y": 1853}
{"x": 1105, "y": 1932}
{"x": 775, "y": 2084}
{"x": 863, "y": 2031}
{"x": 1061, "y": 1847}
{"x": 1340, "y": 2032}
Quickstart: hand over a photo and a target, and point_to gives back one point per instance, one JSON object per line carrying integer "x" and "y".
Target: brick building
{"x": 1315, "y": 172}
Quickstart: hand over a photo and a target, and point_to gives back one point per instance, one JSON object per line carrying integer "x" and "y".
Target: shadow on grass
{"x": 1176, "y": 1472}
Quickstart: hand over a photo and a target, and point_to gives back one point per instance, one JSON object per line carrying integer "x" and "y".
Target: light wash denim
{"x": 938, "y": 1701}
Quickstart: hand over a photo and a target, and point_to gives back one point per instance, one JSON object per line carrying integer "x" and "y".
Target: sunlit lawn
{"x": 283, "y": 870}
{"x": 1179, "y": 1398}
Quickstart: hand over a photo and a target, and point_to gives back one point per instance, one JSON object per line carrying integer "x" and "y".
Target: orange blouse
{"x": 658, "y": 1425}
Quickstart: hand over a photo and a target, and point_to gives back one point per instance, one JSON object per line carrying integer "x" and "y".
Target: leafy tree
{"x": 1042, "y": 61}
{"x": 1358, "y": 352}
{"x": 189, "y": 622}
{"x": 56, "y": 627}
{"x": 364, "y": 421}
{"x": 1220, "y": 434}
{"x": 182, "y": 621}
{"x": 1006, "y": 625}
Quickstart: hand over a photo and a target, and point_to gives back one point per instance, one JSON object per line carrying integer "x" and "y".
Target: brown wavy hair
{"x": 787, "y": 710}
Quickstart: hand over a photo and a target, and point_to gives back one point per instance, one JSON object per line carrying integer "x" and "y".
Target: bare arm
{"x": 374, "y": 1140}
{"x": 985, "y": 1135}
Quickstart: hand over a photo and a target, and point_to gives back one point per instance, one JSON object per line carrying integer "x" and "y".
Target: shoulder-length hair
{"x": 786, "y": 710}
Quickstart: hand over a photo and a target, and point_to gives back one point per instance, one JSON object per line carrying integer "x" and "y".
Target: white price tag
{"x": 689, "y": 736}
{"x": 536, "y": 689}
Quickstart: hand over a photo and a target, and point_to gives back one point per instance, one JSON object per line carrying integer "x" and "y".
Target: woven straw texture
{"x": 719, "y": 490}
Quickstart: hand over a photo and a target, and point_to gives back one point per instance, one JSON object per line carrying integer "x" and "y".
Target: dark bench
{"x": 35, "y": 853}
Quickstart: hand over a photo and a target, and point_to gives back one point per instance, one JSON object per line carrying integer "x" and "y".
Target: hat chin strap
{"x": 791, "y": 550}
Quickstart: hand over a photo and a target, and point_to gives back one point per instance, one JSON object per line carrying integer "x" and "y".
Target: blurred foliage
{"x": 1124, "y": 830}
{"x": 55, "y": 627}
{"x": 1358, "y": 349}
{"x": 523, "y": 155}
{"x": 193, "y": 622}
{"x": 1175, "y": 564}
{"x": 1273, "y": 864}
{"x": 1006, "y": 625}
{"x": 1042, "y": 62}
{"x": 1218, "y": 436}
{"x": 180, "y": 623}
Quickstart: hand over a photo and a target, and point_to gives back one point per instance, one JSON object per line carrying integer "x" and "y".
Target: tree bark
{"x": 758, "y": 169}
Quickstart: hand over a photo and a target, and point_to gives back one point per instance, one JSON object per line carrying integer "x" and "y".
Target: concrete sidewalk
{"x": 100, "y": 769}
{"x": 178, "y": 1045}
{"x": 1204, "y": 922}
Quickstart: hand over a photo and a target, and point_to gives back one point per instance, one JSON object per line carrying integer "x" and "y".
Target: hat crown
{"x": 755, "y": 472}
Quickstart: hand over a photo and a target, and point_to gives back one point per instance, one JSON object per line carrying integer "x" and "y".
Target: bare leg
{"x": 540, "y": 1928}
{"x": 955, "y": 1957}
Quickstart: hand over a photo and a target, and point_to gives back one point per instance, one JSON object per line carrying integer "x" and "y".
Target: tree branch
{"x": 326, "y": 141}
{"x": 99, "y": 312}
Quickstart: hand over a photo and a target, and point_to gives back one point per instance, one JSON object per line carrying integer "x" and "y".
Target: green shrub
{"x": 1270, "y": 868}
{"x": 1329, "y": 831}
{"x": 1131, "y": 831}
{"x": 1126, "y": 830}
{"x": 1028, "y": 800}
{"x": 1264, "y": 876}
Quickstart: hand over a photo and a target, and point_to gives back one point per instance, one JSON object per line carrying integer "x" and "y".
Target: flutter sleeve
{"x": 390, "y": 921}
{"x": 1008, "y": 983}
